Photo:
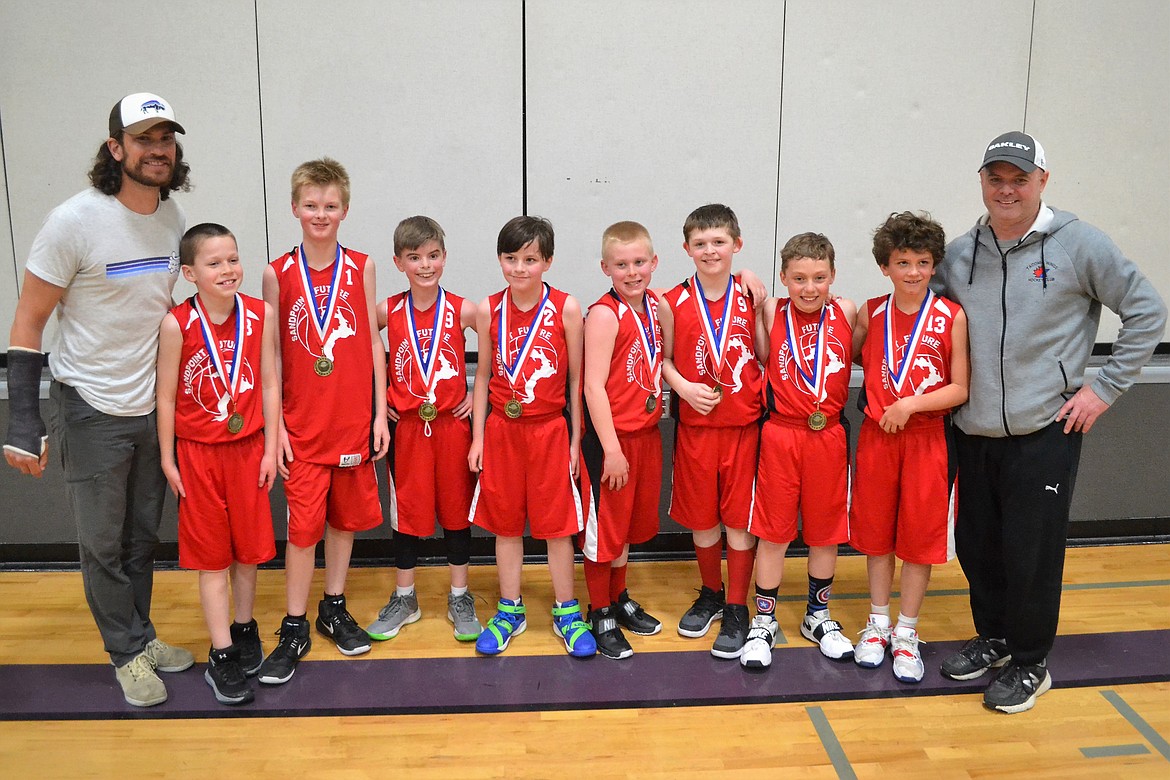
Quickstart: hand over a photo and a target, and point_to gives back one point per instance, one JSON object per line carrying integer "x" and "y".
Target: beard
{"x": 149, "y": 176}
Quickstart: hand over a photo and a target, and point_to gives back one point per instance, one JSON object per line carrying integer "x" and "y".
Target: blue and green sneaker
{"x": 569, "y": 626}
{"x": 505, "y": 624}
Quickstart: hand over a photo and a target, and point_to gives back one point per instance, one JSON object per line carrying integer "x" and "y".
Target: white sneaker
{"x": 757, "y": 650}
{"x": 871, "y": 649}
{"x": 907, "y": 660}
{"x": 826, "y": 634}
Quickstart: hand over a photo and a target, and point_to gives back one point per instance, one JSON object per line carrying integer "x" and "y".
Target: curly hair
{"x": 907, "y": 230}
{"x": 106, "y": 173}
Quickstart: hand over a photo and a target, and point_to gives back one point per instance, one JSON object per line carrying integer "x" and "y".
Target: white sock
{"x": 909, "y": 624}
{"x": 458, "y": 591}
{"x": 405, "y": 591}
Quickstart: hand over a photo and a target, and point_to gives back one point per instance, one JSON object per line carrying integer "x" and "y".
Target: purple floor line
{"x": 520, "y": 683}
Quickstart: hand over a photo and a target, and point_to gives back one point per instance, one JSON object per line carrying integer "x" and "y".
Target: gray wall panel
{"x": 9, "y": 270}
{"x": 1099, "y": 100}
{"x": 420, "y": 101}
{"x": 646, "y": 111}
{"x": 886, "y": 108}
{"x": 59, "y": 87}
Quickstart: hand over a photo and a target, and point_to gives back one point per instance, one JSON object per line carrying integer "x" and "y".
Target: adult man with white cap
{"x": 1032, "y": 280}
{"x": 106, "y": 261}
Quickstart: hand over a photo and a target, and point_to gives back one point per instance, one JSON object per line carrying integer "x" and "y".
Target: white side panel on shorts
{"x": 646, "y": 111}
{"x": 421, "y": 102}
{"x": 1099, "y": 100}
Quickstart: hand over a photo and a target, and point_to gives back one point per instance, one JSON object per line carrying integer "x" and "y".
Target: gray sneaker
{"x": 461, "y": 612}
{"x": 167, "y": 658}
{"x": 398, "y": 612}
{"x": 140, "y": 685}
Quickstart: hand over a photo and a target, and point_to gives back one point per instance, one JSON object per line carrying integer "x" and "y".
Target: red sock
{"x": 739, "y": 574}
{"x": 710, "y": 561}
{"x": 617, "y": 582}
{"x": 597, "y": 577}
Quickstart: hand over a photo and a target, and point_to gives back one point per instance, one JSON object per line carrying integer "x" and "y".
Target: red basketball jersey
{"x": 930, "y": 364}
{"x": 631, "y": 380}
{"x": 329, "y": 418}
{"x": 542, "y": 377}
{"x": 203, "y": 404}
{"x": 789, "y": 393}
{"x": 448, "y": 373}
{"x": 740, "y": 377}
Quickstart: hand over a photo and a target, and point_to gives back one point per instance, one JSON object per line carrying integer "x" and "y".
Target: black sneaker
{"x": 611, "y": 642}
{"x": 976, "y": 657}
{"x": 246, "y": 639}
{"x": 733, "y": 633}
{"x": 708, "y": 608}
{"x": 1016, "y": 687}
{"x": 630, "y": 615}
{"x": 335, "y": 622}
{"x": 293, "y": 645}
{"x": 226, "y": 678}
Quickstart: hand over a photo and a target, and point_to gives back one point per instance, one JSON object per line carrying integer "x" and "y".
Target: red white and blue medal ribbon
{"x": 321, "y": 320}
{"x": 425, "y": 360}
{"x": 231, "y": 376}
{"x": 512, "y": 368}
{"x": 651, "y": 347}
{"x": 716, "y": 336}
{"x": 814, "y": 379}
{"x": 899, "y": 371}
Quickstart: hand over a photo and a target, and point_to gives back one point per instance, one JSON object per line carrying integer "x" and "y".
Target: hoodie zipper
{"x": 1003, "y": 328}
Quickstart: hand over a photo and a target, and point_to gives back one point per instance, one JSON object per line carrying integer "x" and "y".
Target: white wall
{"x": 801, "y": 115}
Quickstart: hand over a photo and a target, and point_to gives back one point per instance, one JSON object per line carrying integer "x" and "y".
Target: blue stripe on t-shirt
{"x": 145, "y": 265}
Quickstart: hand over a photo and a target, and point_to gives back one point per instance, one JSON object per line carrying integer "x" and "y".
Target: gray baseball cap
{"x": 1019, "y": 149}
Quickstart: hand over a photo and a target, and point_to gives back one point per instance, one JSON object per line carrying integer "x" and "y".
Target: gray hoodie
{"x": 1032, "y": 314}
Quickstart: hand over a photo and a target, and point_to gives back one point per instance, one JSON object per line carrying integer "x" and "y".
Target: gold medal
{"x": 817, "y": 420}
{"x": 428, "y": 412}
{"x": 718, "y": 390}
{"x": 513, "y": 409}
{"x": 235, "y": 423}
{"x": 651, "y": 403}
{"x": 323, "y": 366}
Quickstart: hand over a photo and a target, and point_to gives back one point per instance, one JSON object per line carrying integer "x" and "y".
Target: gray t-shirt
{"x": 118, "y": 269}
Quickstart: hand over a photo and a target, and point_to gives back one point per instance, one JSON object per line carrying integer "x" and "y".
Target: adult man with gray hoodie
{"x": 1032, "y": 280}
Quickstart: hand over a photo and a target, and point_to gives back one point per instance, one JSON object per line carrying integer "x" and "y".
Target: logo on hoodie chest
{"x": 1039, "y": 273}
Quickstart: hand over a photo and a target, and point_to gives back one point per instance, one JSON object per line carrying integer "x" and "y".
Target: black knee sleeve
{"x": 458, "y": 546}
{"x": 405, "y": 550}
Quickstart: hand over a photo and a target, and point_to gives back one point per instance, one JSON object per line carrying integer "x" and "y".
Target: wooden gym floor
{"x": 421, "y": 705}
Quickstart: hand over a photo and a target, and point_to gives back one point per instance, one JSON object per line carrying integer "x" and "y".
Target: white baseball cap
{"x": 139, "y": 112}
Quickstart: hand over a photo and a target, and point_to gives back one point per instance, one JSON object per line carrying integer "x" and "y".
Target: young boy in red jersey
{"x": 428, "y": 399}
{"x": 331, "y": 359}
{"x": 710, "y": 364}
{"x": 526, "y": 453}
{"x": 913, "y": 349}
{"x": 622, "y": 445}
{"x": 806, "y": 343}
{"x": 218, "y": 413}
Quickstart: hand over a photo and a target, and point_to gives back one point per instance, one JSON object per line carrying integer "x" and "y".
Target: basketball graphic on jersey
{"x": 542, "y": 363}
{"x": 203, "y": 384}
{"x": 807, "y": 344}
{"x": 925, "y": 373}
{"x": 404, "y": 368}
{"x": 637, "y": 372}
{"x": 343, "y": 325}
